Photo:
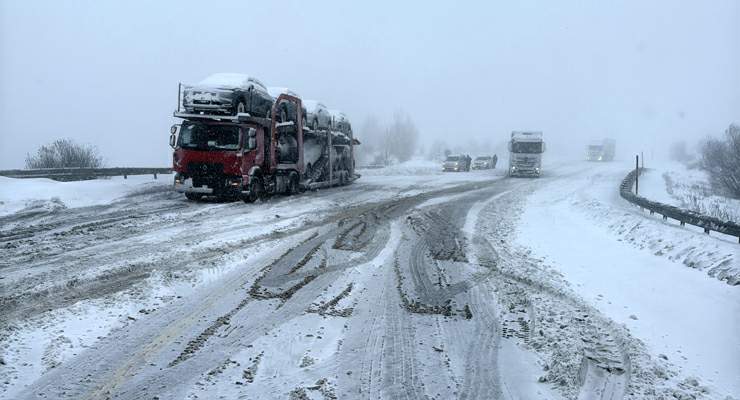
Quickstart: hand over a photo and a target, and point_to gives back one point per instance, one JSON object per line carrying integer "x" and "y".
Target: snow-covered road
{"x": 406, "y": 284}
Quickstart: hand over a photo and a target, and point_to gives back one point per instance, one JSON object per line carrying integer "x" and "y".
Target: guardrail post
{"x": 125, "y": 176}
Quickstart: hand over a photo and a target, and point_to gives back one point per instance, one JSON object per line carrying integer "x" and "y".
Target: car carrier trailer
{"x": 248, "y": 157}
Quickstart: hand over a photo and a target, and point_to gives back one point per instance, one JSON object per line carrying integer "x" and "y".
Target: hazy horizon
{"x": 106, "y": 73}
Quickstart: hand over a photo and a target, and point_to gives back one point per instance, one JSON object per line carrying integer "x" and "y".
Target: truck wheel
{"x": 255, "y": 191}
{"x": 293, "y": 185}
{"x": 193, "y": 196}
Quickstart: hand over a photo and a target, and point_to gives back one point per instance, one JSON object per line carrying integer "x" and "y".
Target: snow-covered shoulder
{"x": 46, "y": 194}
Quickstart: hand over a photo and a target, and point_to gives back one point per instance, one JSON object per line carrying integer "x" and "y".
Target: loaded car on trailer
{"x": 317, "y": 115}
{"x": 227, "y": 94}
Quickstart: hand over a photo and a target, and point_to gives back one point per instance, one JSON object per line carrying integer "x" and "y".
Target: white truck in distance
{"x": 602, "y": 150}
{"x": 525, "y": 153}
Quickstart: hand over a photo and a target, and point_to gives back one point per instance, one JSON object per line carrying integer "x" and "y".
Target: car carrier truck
{"x": 525, "y": 153}
{"x": 602, "y": 150}
{"x": 248, "y": 157}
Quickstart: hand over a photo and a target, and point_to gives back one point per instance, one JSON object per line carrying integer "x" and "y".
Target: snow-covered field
{"x": 631, "y": 267}
{"x": 409, "y": 283}
{"x": 672, "y": 183}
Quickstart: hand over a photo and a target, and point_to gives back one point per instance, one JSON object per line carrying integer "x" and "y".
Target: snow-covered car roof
{"x": 337, "y": 114}
{"x": 229, "y": 80}
{"x": 312, "y": 105}
{"x": 276, "y": 91}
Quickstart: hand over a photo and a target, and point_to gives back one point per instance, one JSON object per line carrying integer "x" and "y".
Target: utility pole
{"x": 637, "y": 175}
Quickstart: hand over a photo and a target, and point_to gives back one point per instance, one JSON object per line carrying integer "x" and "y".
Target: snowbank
{"x": 40, "y": 193}
{"x": 632, "y": 267}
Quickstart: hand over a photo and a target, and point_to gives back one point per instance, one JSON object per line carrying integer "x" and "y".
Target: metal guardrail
{"x": 682, "y": 216}
{"x": 80, "y": 174}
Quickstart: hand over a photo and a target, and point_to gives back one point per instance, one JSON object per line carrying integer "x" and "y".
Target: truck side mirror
{"x": 252, "y": 139}
{"x": 173, "y": 135}
{"x": 509, "y": 146}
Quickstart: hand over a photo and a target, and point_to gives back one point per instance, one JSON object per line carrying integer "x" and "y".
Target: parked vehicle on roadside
{"x": 249, "y": 157}
{"x": 317, "y": 115}
{"x": 525, "y": 153}
{"x": 457, "y": 163}
{"x": 227, "y": 94}
{"x": 485, "y": 162}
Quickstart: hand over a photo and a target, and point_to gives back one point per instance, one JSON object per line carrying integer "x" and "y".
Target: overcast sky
{"x": 106, "y": 72}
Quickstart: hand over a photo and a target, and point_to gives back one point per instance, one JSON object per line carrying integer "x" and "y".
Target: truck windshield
{"x": 452, "y": 158}
{"x": 196, "y": 135}
{"x": 526, "y": 147}
{"x": 594, "y": 148}
{"x": 481, "y": 158}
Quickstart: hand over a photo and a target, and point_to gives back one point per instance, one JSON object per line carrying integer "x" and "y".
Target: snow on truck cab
{"x": 525, "y": 153}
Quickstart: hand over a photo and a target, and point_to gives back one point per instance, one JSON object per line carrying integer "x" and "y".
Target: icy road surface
{"x": 407, "y": 284}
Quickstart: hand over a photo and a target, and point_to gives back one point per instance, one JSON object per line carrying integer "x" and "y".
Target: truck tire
{"x": 193, "y": 196}
{"x": 293, "y": 187}
{"x": 255, "y": 191}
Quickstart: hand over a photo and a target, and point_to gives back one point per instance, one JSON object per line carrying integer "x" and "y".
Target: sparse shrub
{"x": 64, "y": 153}
{"x": 721, "y": 159}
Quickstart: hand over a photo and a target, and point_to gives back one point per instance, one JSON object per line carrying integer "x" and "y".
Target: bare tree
{"x": 403, "y": 136}
{"x": 721, "y": 159}
{"x": 395, "y": 142}
{"x": 64, "y": 153}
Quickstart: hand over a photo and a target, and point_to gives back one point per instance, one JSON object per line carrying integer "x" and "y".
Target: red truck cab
{"x": 206, "y": 158}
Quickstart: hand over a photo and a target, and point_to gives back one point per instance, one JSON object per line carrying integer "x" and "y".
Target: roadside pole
{"x": 331, "y": 166}
{"x": 637, "y": 175}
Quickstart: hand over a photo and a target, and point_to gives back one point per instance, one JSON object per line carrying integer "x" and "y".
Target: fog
{"x": 106, "y": 73}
